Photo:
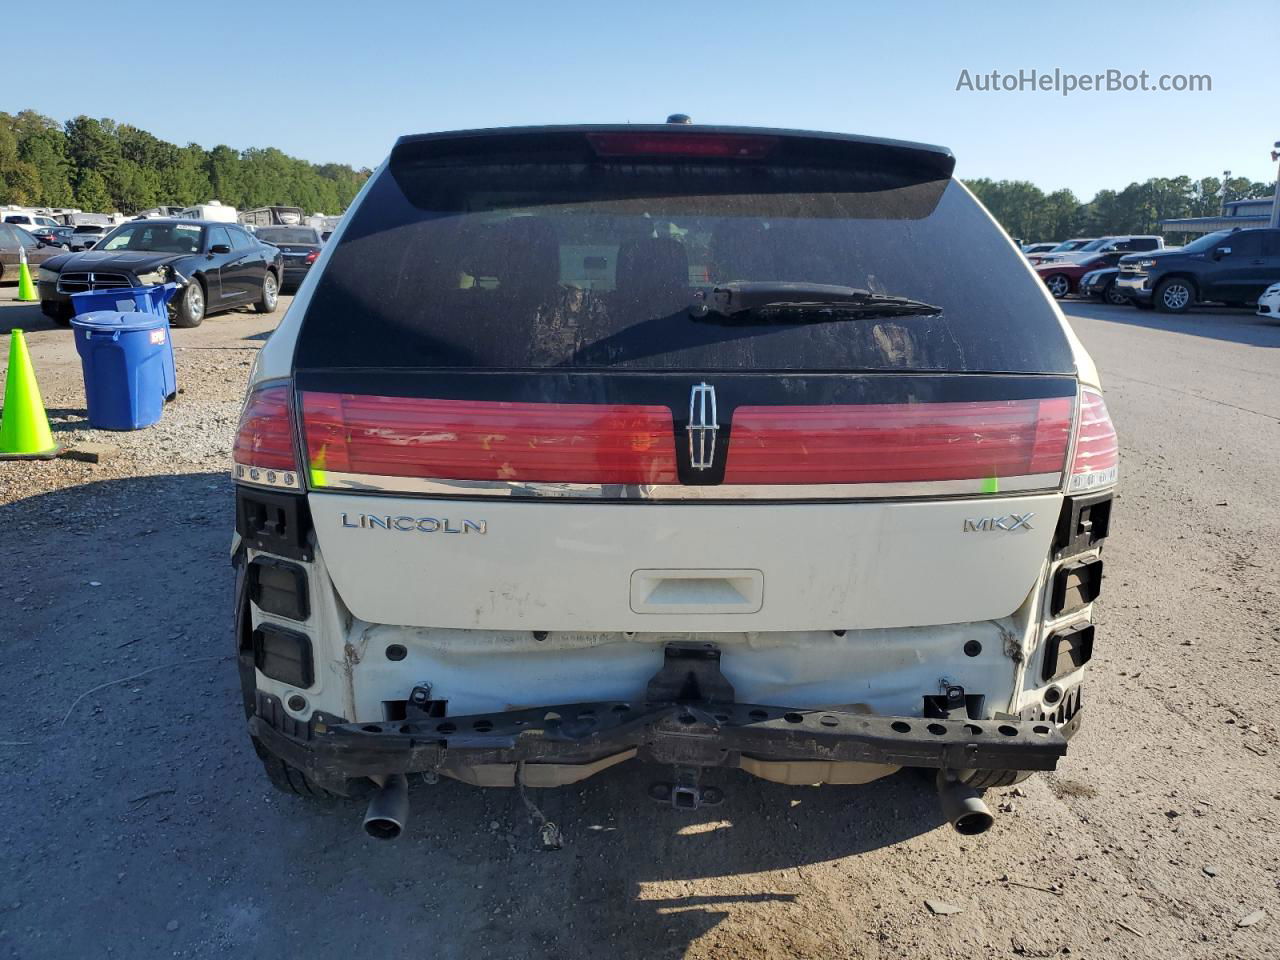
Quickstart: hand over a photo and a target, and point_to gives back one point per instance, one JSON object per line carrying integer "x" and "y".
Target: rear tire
{"x": 1175, "y": 296}
{"x": 1058, "y": 285}
{"x": 190, "y": 307}
{"x": 289, "y": 779}
{"x": 270, "y": 294}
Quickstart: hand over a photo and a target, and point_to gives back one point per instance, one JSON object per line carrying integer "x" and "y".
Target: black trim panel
{"x": 1083, "y": 523}
{"x": 280, "y": 587}
{"x": 1066, "y": 651}
{"x": 283, "y": 655}
{"x": 1076, "y": 585}
{"x": 278, "y": 523}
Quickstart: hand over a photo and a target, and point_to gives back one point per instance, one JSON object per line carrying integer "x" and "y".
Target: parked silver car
{"x": 86, "y": 235}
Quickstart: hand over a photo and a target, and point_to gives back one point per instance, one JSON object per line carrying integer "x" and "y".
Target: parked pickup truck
{"x": 1230, "y": 266}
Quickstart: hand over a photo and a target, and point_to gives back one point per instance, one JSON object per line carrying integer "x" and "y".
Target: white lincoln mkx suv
{"x": 686, "y": 445}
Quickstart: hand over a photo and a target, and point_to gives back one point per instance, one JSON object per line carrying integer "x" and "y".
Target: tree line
{"x": 104, "y": 166}
{"x": 1027, "y": 212}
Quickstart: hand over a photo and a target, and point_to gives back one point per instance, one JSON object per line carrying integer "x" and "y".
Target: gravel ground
{"x": 138, "y": 824}
{"x": 197, "y": 429}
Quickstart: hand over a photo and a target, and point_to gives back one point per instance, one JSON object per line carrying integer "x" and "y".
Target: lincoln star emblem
{"x": 702, "y": 426}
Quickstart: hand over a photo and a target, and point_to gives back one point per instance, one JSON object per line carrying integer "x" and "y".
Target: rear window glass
{"x": 546, "y": 262}
{"x": 287, "y": 235}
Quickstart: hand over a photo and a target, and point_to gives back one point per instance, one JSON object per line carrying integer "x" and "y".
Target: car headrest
{"x": 653, "y": 272}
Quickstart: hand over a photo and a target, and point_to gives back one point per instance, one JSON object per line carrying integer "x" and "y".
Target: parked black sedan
{"x": 220, "y": 266}
{"x": 300, "y": 245}
{"x": 1101, "y": 285}
{"x": 54, "y": 236}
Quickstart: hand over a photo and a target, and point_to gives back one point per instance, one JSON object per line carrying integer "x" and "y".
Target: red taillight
{"x": 897, "y": 443}
{"x": 1097, "y": 458}
{"x": 475, "y": 440}
{"x": 727, "y": 145}
{"x": 311, "y": 257}
{"x": 263, "y": 451}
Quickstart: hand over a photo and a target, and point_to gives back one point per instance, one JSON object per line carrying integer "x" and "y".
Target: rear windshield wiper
{"x": 823, "y": 301}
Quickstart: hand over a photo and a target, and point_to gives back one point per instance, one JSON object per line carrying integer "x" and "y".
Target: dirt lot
{"x": 138, "y": 824}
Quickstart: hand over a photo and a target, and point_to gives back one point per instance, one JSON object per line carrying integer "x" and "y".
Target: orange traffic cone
{"x": 24, "y": 427}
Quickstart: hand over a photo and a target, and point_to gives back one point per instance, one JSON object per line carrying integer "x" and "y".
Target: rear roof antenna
{"x": 679, "y": 118}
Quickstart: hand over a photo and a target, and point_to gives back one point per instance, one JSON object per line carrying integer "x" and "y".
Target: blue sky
{"x": 338, "y": 81}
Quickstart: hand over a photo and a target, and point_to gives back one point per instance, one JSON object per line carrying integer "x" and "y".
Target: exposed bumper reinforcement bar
{"x": 331, "y": 750}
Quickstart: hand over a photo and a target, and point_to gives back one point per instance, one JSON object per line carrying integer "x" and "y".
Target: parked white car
{"x": 545, "y": 470}
{"x": 213, "y": 210}
{"x": 1038, "y": 248}
{"x": 30, "y": 221}
{"x": 1269, "y": 302}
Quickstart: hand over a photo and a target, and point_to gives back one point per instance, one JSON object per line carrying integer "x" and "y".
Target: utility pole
{"x": 1275, "y": 197}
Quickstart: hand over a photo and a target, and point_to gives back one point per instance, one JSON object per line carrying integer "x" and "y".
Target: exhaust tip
{"x": 382, "y": 828}
{"x": 972, "y": 824}
{"x": 962, "y": 806}
{"x": 388, "y": 810}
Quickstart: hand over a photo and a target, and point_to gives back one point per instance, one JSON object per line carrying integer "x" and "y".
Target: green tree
{"x": 104, "y": 166}
{"x": 223, "y": 169}
{"x": 42, "y": 144}
{"x": 91, "y": 192}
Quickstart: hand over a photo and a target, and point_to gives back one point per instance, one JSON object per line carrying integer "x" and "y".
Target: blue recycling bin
{"x": 127, "y": 361}
{"x": 154, "y": 299}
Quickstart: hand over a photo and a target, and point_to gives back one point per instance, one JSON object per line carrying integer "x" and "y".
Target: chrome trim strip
{"x": 365, "y": 483}
{"x": 1093, "y": 481}
{"x": 92, "y": 281}
{"x": 262, "y": 477}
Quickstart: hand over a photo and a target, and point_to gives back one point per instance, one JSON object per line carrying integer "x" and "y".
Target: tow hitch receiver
{"x": 684, "y": 792}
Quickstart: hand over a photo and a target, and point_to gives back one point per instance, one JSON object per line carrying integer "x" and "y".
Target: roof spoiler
{"x": 919, "y": 161}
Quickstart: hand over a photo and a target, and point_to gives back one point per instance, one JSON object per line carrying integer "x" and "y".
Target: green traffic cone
{"x": 24, "y": 427}
{"x": 26, "y": 289}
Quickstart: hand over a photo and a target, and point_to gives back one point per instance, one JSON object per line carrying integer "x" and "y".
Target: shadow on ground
{"x": 157, "y": 832}
{"x": 1240, "y": 325}
{"x": 22, "y": 316}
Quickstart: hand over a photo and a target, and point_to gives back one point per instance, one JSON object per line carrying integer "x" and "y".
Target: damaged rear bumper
{"x": 594, "y": 735}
